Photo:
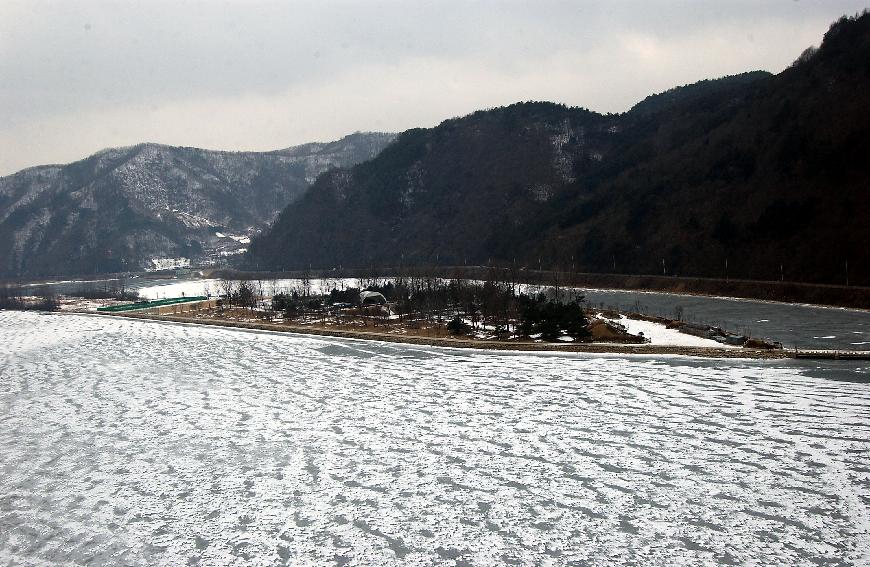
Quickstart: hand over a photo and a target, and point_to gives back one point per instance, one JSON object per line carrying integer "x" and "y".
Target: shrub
{"x": 458, "y": 327}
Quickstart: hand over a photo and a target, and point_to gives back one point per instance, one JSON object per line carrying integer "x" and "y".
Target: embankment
{"x": 645, "y": 349}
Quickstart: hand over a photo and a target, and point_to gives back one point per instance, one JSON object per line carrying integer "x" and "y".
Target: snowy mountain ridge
{"x": 121, "y": 207}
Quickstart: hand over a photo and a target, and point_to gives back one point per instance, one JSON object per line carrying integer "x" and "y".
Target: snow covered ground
{"x": 138, "y": 443}
{"x": 661, "y": 335}
{"x": 175, "y": 288}
{"x": 169, "y": 263}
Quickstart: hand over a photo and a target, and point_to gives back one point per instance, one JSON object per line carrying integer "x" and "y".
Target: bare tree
{"x": 259, "y": 292}
{"x": 227, "y": 289}
{"x": 306, "y": 281}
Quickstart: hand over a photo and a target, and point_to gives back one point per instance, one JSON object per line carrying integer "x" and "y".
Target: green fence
{"x": 149, "y": 304}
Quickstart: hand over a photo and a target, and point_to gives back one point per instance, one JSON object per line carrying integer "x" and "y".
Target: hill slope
{"x": 121, "y": 208}
{"x": 765, "y": 174}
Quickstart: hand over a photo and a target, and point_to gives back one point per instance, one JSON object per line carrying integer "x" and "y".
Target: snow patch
{"x": 658, "y": 334}
{"x": 169, "y": 263}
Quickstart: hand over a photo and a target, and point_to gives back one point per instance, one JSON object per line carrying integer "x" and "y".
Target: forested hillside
{"x": 753, "y": 176}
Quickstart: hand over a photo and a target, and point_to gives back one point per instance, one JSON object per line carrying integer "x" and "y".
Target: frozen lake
{"x": 138, "y": 443}
{"x": 807, "y": 326}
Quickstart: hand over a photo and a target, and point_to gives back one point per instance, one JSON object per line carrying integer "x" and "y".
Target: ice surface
{"x": 139, "y": 443}
{"x": 175, "y": 288}
{"x": 791, "y": 323}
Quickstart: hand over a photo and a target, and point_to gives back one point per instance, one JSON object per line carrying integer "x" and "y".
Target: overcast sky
{"x": 79, "y": 76}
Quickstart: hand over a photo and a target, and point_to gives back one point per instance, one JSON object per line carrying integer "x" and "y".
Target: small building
{"x": 372, "y": 298}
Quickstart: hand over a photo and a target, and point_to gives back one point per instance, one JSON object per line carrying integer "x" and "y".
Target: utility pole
{"x": 847, "y": 272}
{"x": 726, "y": 269}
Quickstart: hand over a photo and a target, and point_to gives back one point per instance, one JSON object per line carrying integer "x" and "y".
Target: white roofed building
{"x": 372, "y": 298}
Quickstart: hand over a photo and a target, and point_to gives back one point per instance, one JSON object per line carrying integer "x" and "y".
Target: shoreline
{"x": 479, "y": 344}
{"x": 730, "y": 298}
{"x": 171, "y": 281}
{"x": 776, "y": 291}
{"x": 831, "y": 296}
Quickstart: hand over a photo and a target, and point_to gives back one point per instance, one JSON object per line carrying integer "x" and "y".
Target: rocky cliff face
{"x": 133, "y": 208}
{"x": 765, "y": 174}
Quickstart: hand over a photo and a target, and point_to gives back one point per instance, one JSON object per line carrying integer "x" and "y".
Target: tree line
{"x": 497, "y": 303}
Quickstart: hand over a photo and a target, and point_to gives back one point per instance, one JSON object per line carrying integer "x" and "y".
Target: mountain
{"x": 138, "y": 207}
{"x": 754, "y": 176}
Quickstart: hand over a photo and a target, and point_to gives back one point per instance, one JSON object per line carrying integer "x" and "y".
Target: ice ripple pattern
{"x": 133, "y": 442}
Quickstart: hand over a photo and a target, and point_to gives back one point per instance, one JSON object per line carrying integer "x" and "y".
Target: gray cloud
{"x": 82, "y": 75}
